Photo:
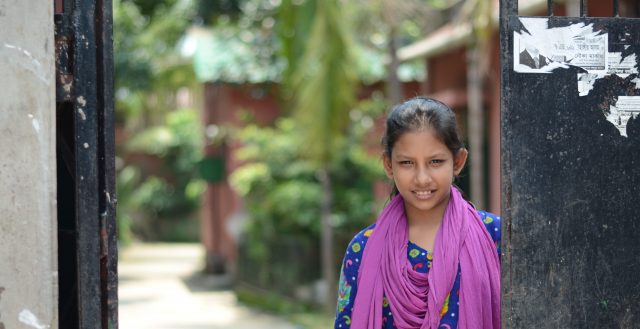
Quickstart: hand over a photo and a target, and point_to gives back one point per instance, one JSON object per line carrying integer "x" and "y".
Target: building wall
{"x": 226, "y": 104}
{"x": 447, "y": 78}
{"x": 28, "y": 252}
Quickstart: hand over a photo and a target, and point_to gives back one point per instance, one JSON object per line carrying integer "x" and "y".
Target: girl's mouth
{"x": 423, "y": 194}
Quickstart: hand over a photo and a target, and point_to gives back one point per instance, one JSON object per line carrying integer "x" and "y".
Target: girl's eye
{"x": 437, "y": 161}
{"x": 406, "y": 163}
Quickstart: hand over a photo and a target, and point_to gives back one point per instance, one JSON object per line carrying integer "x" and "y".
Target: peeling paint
{"x": 67, "y": 87}
{"x": 82, "y": 101}
{"x": 34, "y": 123}
{"x": 26, "y": 61}
{"x": 30, "y": 319}
{"x": 82, "y": 114}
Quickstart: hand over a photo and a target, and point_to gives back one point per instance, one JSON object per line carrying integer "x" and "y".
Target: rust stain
{"x": 64, "y": 68}
{"x": 1, "y": 324}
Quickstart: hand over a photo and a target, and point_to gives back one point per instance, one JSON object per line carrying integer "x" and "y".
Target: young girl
{"x": 430, "y": 260}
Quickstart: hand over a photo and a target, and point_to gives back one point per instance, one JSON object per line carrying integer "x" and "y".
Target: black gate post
{"x": 87, "y": 235}
{"x": 570, "y": 124}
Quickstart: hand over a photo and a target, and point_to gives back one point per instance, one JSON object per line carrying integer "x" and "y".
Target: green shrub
{"x": 162, "y": 204}
{"x": 282, "y": 196}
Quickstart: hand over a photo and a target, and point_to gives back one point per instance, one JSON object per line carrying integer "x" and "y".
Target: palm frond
{"x": 325, "y": 82}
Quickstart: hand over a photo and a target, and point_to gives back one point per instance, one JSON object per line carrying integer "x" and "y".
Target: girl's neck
{"x": 432, "y": 217}
{"x": 423, "y": 226}
{"x": 425, "y": 220}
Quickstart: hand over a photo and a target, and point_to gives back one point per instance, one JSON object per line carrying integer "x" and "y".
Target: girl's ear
{"x": 387, "y": 165}
{"x": 459, "y": 160}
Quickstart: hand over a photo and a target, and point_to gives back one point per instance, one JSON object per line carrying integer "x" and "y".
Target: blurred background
{"x": 248, "y": 133}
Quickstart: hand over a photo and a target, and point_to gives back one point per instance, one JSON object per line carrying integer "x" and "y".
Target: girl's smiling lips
{"x": 423, "y": 194}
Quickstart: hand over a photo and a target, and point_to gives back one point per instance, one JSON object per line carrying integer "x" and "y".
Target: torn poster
{"x": 621, "y": 66}
{"x": 625, "y": 108}
{"x": 540, "y": 49}
{"x": 617, "y": 65}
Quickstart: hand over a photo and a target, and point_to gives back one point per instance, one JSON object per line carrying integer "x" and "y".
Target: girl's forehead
{"x": 426, "y": 133}
{"x": 424, "y": 139}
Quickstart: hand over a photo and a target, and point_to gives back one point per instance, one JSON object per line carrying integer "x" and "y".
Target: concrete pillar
{"x": 28, "y": 251}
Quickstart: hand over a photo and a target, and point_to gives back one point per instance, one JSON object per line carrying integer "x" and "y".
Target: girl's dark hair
{"x": 422, "y": 113}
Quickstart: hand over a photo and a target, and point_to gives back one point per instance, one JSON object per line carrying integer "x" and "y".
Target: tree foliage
{"x": 160, "y": 145}
{"x": 326, "y": 80}
{"x": 282, "y": 193}
{"x": 165, "y": 188}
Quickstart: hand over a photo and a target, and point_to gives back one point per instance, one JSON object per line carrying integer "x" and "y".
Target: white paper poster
{"x": 626, "y": 107}
{"x": 544, "y": 49}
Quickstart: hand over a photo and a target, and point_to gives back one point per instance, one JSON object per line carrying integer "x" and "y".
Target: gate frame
{"x": 508, "y": 10}
{"x": 84, "y": 85}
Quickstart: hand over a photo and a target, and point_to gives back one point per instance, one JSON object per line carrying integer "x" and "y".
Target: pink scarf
{"x": 417, "y": 298}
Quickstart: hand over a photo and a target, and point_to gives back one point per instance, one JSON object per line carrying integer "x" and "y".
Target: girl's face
{"x": 423, "y": 168}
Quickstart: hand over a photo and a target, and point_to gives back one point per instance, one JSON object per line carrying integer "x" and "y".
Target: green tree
{"x": 322, "y": 81}
{"x": 159, "y": 203}
{"x": 149, "y": 72}
{"x": 326, "y": 84}
{"x": 295, "y": 20}
{"x": 282, "y": 197}
{"x": 148, "y": 64}
{"x": 387, "y": 25}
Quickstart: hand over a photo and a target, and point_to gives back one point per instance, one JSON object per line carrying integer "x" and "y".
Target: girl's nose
{"x": 423, "y": 176}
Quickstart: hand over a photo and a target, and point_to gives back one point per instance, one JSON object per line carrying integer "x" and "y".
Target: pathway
{"x": 161, "y": 287}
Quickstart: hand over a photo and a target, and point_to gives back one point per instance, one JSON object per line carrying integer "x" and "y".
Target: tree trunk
{"x": 476, "y": 123}
{"x": 394, "y": 88}
{"x": 326, "y": 243}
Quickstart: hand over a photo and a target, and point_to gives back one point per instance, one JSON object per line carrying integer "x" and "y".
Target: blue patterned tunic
{"x": 420, "y": 261}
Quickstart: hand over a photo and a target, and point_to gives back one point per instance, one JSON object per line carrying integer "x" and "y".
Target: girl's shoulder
{"x": 360, "y": 240}
{"x": 353, "y": 257}
{"x": 491, "y": 223}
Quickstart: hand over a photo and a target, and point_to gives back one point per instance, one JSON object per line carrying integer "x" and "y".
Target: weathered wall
{"x": 28, "y": 271}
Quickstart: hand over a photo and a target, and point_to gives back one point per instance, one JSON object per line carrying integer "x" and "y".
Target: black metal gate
{"x": 87, "y": 251}
{"x": 570, "y": 170}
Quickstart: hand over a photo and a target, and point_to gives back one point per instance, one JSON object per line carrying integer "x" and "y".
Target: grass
{"x": 303, "y": 315}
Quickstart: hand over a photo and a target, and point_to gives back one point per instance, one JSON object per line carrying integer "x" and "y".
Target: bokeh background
{"x": 251, "y": 128}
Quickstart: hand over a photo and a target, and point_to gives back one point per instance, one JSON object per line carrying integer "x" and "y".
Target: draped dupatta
{"x": 416, "y": 298}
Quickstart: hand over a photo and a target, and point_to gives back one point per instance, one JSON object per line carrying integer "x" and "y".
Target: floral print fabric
{"x": 420, "y": 260}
